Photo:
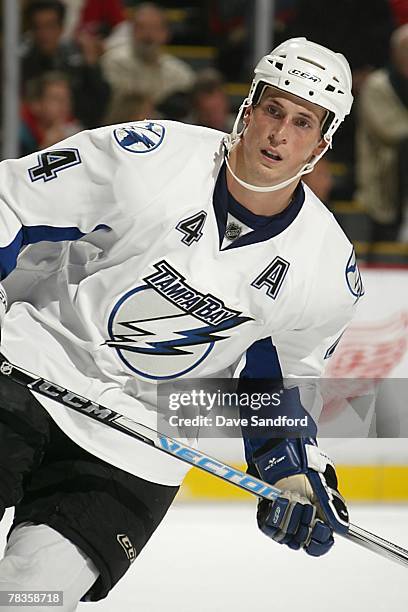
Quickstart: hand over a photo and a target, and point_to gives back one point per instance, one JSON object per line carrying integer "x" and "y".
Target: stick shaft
{"x": 181, "y": 451}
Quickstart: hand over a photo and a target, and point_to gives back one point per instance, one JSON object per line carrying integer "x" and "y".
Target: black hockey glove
{"x": 310, "y": 507}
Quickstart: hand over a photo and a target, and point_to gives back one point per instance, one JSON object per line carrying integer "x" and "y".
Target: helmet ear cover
{"x": 327, "y": 122}
{"x": 260, "y": 87}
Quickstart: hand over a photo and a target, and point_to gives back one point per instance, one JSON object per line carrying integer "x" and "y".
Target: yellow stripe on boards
{"x": 388, "y": 483}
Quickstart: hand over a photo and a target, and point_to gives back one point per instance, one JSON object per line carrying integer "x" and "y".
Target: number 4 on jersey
{"x": 52, "y": 162}
{"x": 192, "y": 228}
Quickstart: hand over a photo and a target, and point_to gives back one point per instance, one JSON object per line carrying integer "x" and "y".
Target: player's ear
{"x": 320, "y": 147}
{"x": 247, "y": 115}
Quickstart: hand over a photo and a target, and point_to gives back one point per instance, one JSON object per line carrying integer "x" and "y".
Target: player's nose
{"x": 280, "y": 132}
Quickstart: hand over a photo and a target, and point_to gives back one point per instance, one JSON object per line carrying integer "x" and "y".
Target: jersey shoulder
{"x": 158, "y": 136}
{"x": 337, "y": 274}
{"x": 193, "y": 140}
{"x": 157, "y": 151}
{"x": 326, "y": 224}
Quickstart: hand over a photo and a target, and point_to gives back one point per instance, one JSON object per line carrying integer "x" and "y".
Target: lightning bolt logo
{"x": 190, "y": 337}
{"x": 140, "y": 138}
{"x": 158, "y": 340}
{"x": 133, "y": 137}
{"x": 353, "y": 277}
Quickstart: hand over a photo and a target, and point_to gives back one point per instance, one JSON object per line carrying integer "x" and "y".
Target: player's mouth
{"x": 272, "y": 156}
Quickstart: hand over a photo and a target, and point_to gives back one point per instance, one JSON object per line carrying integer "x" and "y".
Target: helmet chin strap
{"x": 305, "y": 170}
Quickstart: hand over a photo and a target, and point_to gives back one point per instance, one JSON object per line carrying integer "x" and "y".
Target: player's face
{"x": 282, "y": 134}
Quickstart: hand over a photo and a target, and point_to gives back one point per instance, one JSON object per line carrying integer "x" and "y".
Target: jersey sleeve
{"x": 302, "y": 351}
{"x": 295, "y": 359}
{"x": 61, "y": 193}
{"x": 290, "y": 364}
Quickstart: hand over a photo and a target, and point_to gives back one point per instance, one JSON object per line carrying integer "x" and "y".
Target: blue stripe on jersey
{"x": 262, "y": 361}
{"x": 37, "y": 233}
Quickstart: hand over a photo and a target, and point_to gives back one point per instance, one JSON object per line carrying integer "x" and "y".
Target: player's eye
{"x": 274, "y": 111}
{"x": 303, "y": 123}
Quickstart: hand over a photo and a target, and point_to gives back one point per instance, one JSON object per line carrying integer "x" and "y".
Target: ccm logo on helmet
{"x": 304, "y": 75}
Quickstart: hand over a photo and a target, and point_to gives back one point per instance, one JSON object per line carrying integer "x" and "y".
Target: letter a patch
{"x": 272, "y": 277}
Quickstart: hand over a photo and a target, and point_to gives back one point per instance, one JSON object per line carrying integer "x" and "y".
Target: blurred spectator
{"x": 73, "y": 10}
{"x": 130, "y": 107}
{"x": 400, "y": 10}
{"x": 141, "y": 65}
{"x": 176, "y": 106}
{"x": 285, "y": 14}
{"x": 320, "y": 180}
{"x": 45, "y": 50}
{"x": 382, "y": 137}
{"x": 361, "y": 33}
{"x": 106, "y": 18}
{"x": 46, "y": 115}
{"x": 101, "y": 16}
{"x": 228, "y": 22}
{"x": 210, "y": 103}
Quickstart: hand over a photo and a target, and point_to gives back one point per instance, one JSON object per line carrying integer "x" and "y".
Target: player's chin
{"x": 263, "y": 179}
{"x": 271, "y": 175}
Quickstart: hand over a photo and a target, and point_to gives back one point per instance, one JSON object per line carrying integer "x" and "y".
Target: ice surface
{"x": 211, "y": 558}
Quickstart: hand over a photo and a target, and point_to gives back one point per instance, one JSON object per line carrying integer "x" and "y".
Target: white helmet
{"x": 311, "y": 72}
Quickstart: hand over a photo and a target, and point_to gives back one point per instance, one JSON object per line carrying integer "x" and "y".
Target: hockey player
{"x": 154, "y": 251}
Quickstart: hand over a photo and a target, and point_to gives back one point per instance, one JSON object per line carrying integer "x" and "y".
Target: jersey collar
{"x": 264, "y": 227}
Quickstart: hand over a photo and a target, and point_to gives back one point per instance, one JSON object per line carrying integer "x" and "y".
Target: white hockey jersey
{"x": 129, "y": 280}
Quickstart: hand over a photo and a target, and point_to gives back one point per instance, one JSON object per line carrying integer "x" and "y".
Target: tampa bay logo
{"x": 164, "y": 328}
{"x": 141, "y": 137}
{"x": 353, "y": 277}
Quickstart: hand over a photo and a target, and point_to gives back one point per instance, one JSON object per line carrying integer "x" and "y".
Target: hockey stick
{"x": 181, "y": 451}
